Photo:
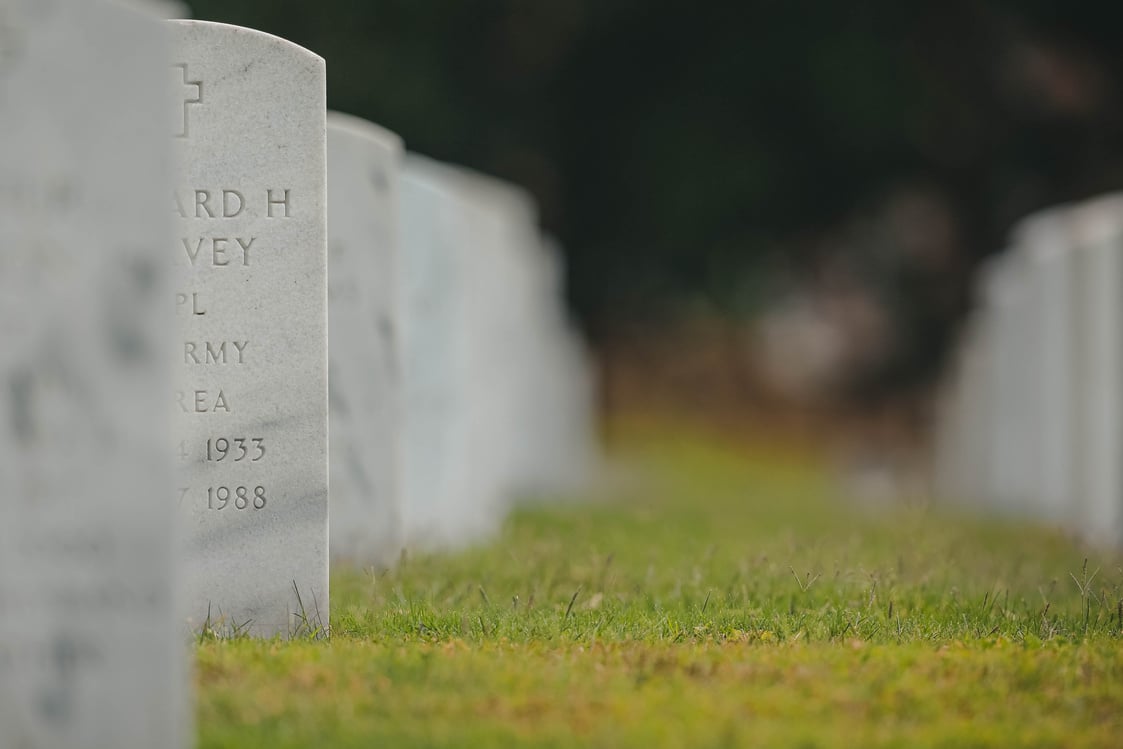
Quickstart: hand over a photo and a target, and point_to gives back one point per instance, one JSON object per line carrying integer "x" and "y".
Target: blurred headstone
{"x": 429, "y": 273}
{"x": 91, "y": 652}
{"x": 1004, "y": 294}
{"x": 1098, "y": 320}
{"x": 526, "y": 366}
{"x": 499, "y": 386}
{"x": 563, "y": 389}
{"x": 493, "y": 337}
{"x": 162, "y": 8}
{"x": 251, "y": 301}
{"x": 364, "y": 165}
{"x": 956, "y": 441}
{"x": 1031, "y": 418}
{"x": 1045, "y": 240}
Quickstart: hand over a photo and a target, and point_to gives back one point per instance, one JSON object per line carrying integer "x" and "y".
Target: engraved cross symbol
{"x": 192, "y": 92}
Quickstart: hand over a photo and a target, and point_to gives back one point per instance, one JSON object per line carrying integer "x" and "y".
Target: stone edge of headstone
{"x": 320, "y": 64}
{"x": 249, "y": 31}
{"x": 1043, "y": 236}
{"x": 1098, "y": 220}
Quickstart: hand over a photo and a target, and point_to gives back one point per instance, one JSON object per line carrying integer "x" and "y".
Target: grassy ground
{"x": 716, "y": 596}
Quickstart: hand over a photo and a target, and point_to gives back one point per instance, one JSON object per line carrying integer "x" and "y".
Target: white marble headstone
{"x": 479, "y": 234}
{"x": 562, "y": 384}
{"x": 364, "y": 167}
{"x": 430, "y": 275}
{"x": 977, "y": 403}
{"x": 1045, "y": 240}
{"x": 951, "y": 474}
{"x": 525, "y": 356}
{"x": 975, "y": 449}
{"x": 251, "y": 301}
{"x": 494, "y": 337}
{"x": 91, "y": 653}
{"x": 1003, "y": 293}
{"x": 498, "y": 385}
{"x": 1098, "y": 327}
{"x": 963, "y": 447}
{"x": 162, "y": 8}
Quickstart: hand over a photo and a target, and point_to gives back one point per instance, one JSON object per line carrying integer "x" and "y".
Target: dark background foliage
{"x": 683, "y": 151}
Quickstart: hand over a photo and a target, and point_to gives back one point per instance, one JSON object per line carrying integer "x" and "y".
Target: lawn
{"x": 712, "y": 593}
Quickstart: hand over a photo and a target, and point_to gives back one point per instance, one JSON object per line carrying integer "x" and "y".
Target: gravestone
{"x": 527, "y": 357}
{"x": 494, "y": 384}
{"x": 1098, "y": 312}
{"x": 465, "y": 343}
{"x": 162, "y": 8}
{"x": 251, "y": 302}
{"x": 970, "y": 451}
{"x": 528, "y": 370}
{"x": 494, "y": 335}
{"x": 1054, "y": 372}
{"x": 949, "y": 472}
{"x": 1002, "y": 292}
{"x": 91, "y": 653}
{"x": 958, "y": 447}
{"x": 562, "y": 384}
{"x": 976, "y": 449}
{"x": 364, "y": 164}
{"x": 430, "y": 273}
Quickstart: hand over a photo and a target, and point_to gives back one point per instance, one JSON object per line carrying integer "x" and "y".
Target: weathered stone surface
{"x": 364, "y": 167}
{"x": 1045, "y": 241}
{"x": 530, "y": 382}
{"x": 429, "y": 301}
{"x": 251, "y": 300}
{"x": 91, "y": 652}
{"x": 498, "y": 386}
{"x": 1098, "y": 325}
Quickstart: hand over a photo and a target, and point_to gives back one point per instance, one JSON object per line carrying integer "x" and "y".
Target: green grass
{"x": 714, "y": 595}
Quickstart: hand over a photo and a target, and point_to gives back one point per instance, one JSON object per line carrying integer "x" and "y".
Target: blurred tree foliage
{"x": 678, "y": 148}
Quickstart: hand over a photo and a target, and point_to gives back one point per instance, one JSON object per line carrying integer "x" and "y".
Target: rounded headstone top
{"x": 424, "y": 172}
{"x": 1046, "y": 236}
{"x": 358, "y": 127}
{"x": 199, "y": 29}
{"x": 1098, "y": 220}
{"x": 999, "y": 279}
{"x": 480, "y": 191}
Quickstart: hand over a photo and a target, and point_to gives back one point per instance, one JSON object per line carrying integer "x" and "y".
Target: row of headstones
{"x": 1030, "y": 418}
{"x": 456, "y": 381}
